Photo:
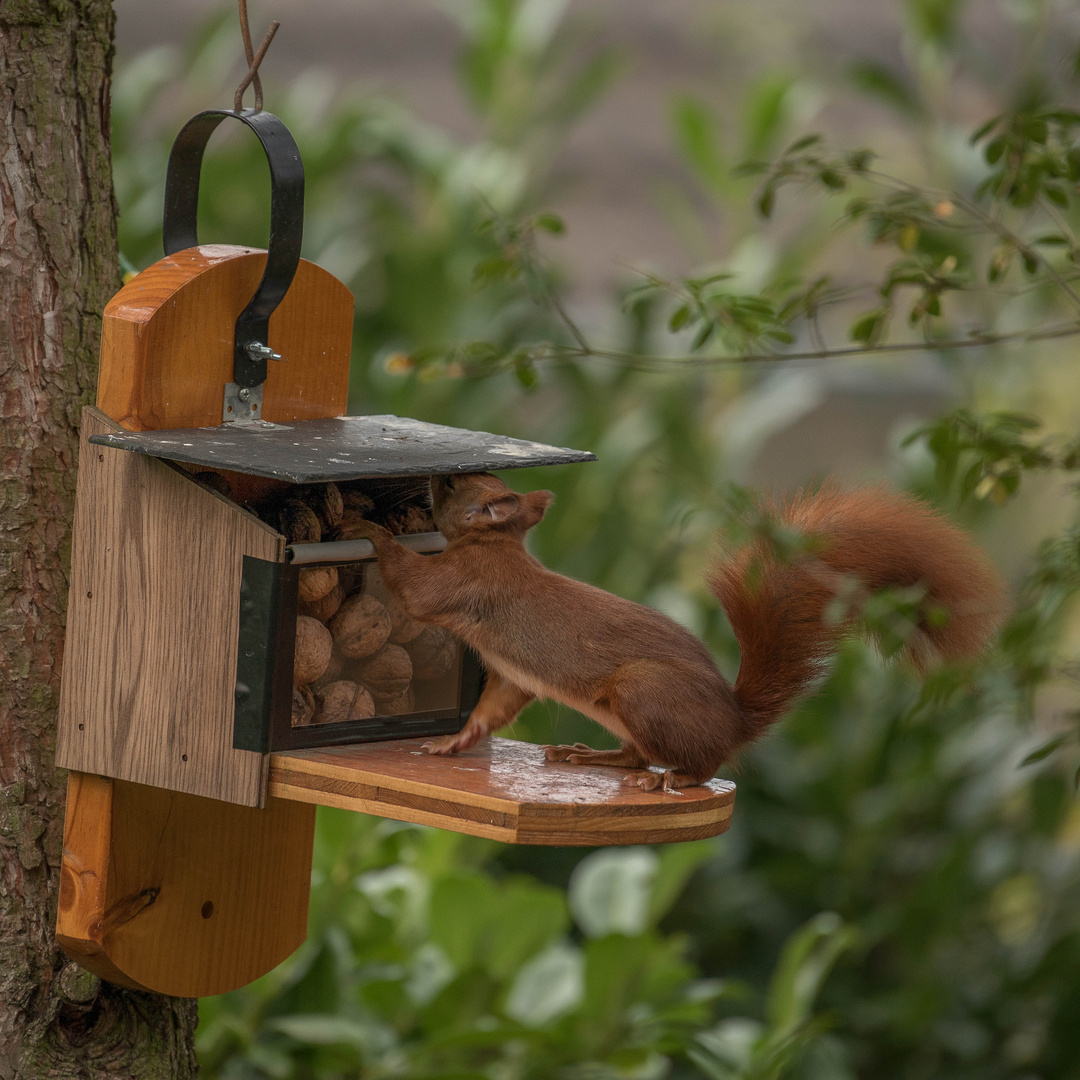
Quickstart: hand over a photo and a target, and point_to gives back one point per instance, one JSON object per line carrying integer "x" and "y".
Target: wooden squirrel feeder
{"x": 191, "y": 800}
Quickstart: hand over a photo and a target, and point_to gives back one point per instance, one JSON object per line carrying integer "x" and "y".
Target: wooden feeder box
{"x": 194, "y": 779}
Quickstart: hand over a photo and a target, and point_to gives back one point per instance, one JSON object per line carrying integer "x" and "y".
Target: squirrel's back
{"x": 788, "y": 616}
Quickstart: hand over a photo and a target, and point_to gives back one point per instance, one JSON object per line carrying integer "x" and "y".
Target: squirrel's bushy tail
{"x": 783, "y": 613}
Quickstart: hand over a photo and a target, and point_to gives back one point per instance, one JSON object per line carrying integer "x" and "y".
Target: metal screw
{"x": 258, "y": 351}
{"x": 243, "y": 393}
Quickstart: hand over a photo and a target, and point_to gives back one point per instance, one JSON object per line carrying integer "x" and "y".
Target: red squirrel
{"x": 642, "y": 676}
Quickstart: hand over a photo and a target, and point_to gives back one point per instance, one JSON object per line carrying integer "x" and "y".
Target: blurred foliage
{"x": 899, "y": 896}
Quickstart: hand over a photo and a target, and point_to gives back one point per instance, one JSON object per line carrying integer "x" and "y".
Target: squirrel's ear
{"x": 495, "y": 511}
{"x": 534, "y": 506}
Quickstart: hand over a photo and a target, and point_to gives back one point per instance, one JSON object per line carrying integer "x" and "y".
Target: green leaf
{"x": 698, "y": 140}
{"x": 319, "y": 1030}
{"x": 807, "y": 959}
{"x": 1044, "y": 751}
{"x": 878, "y": 81}
{"x": 526, "y": 373}
{"x": 869, "y": 328}
{"x": 530, "y": 917}
{"x": 994, "y": 149}
{"x": 461, "y": 908}
{"x": 494, "y": 268}
{"x": 766, "y": 112}
{"x": 551, "y": 223}
{"x": 680, "y": 317}
{"x": 548, "y": 986}
{"x": 983, "y": 130}
{"x": 677, "y": 863}
{"x": 1056, "y": 195}
{"x": 610, "y": 891}
{"x": 804, "y": 143}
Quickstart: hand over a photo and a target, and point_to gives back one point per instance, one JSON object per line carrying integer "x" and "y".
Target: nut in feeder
{"x": 233, "y": 658}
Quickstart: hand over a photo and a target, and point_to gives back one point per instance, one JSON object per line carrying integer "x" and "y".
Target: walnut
{"x": 434, "y": 652}
{"x": 360, "y": 627}
{"x": 216, "y": 481}
{"x": 326, "y": 606}
{"x": 341, "y": 701}
{"x": 313, "y": 648}
{"x": 409, "y": 519}
{"x": 303, "y": 706}
{"x": 316, "y": 582}
{"x": 299, "y": 523}
{"x": 398, "y": 706}
{"x": 357, "y": 502}
{"x": 403, "y": 627}
{"x": 325, "y": 500}
{"x": 388, "y": 673}
{"x": 334, "y": 670}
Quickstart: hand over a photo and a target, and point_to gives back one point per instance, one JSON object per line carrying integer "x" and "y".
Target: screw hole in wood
{"x": 208, "y": 909}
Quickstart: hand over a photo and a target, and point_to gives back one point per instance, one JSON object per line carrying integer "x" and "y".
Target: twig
{"x": 254, "y": 59}
{"x": 643, "y": 362}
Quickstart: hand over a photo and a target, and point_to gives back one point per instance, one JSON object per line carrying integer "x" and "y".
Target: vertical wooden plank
{"x": 153, "y": 619}
{"x": 178, "y": 894}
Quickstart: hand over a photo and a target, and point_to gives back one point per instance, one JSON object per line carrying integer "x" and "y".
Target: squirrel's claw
{"x": 654, "y": 781}
{"x": 447, "y": 744}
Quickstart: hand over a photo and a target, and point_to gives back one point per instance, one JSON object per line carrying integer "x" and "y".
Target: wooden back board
{"x": 167, "y": 341}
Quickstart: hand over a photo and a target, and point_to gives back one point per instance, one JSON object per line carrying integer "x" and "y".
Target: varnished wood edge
{"x": 90, "y": 955}
{"x": 629, "y": 824}
{"x": 171, "y": 273}
{"x": 323, "y": 773}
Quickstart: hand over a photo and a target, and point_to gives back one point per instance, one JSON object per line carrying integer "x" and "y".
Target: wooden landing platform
{"x": 500, "y": 789}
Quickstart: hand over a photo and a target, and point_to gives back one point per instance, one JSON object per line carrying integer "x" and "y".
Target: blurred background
{"x": 899, "y": 896}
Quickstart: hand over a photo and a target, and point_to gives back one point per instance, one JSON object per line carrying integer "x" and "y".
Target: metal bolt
{"x": 258, "y": 351}
{"x": 243, "y": 393}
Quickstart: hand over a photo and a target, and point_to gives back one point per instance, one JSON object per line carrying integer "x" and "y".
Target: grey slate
{"x": 344, "y": 448}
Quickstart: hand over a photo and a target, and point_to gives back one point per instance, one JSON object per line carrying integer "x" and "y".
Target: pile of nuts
{"x": 358, "y": 655}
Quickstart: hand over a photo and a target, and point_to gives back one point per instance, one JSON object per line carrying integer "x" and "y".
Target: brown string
{"x": 254, "y": 59}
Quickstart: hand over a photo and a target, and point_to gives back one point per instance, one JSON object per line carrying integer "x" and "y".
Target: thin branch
{"x": 1058, "y": 218}
{"x": 645, "y": 362}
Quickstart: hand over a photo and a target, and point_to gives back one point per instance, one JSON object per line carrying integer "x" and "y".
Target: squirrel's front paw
{"x": 368, "y": 530}
{"x": 445, "y": 744}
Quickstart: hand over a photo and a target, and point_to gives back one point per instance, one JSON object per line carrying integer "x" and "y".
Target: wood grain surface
{"x": 500, "y": 789}
{"x": 167, "y": 341}
{"x": 153, "y": 616}
{"x": 177, "y": 894}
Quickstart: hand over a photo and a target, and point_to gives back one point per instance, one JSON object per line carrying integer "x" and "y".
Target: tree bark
{"x": 58, "y": 266}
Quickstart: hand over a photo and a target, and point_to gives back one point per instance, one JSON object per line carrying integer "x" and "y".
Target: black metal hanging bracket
{"x": 251, "y": 345}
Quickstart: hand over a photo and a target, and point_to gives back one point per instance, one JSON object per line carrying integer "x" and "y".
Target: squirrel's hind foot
{"x": 580, "y": 754}
{"x": 562, "y": 753}
{"x": 670, "y": 781}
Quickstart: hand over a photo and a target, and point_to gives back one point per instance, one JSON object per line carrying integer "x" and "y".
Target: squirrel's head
{"x": 474, "y": 502}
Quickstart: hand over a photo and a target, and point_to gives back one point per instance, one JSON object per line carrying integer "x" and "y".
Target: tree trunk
{"x": 58, "y": 266}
